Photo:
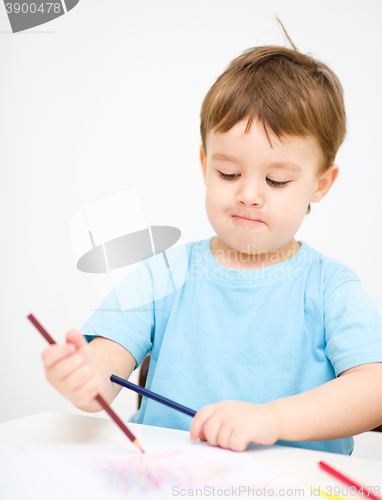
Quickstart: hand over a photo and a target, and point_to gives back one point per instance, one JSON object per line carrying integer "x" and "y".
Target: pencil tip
{"x": 138, "y": 444}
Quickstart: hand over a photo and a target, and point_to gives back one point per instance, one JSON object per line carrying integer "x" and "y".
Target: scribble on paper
{"x": 154, "y": 472}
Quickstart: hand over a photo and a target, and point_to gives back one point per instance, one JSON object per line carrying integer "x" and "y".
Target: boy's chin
{"x": 245, "y": 246}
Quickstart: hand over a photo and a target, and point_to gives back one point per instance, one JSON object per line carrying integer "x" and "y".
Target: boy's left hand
{"x": 234, "y": 424}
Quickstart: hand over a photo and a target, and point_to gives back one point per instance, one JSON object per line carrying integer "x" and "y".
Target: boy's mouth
{"x": 244, "y": 220}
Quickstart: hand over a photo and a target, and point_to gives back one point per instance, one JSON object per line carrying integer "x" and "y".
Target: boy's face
{"x": 255, "y": 169}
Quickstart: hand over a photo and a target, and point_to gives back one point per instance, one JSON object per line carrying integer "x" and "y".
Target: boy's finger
{"x": 86, "y": 392}
{"x": 76, "y": 338}
{"x": 199, "y": 420}
{"x": 202, "y": 436}
{"x": 65, "y": 367}
{"x": 56, "y": 352}
{"x": 224, "y": 436}
{"x": 78, "y": 377}
{"x": 211, "y": 431}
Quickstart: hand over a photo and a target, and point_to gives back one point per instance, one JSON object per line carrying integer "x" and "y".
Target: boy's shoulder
{"x": 333, "y": 272}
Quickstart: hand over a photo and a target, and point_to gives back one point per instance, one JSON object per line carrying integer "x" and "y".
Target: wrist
{"x": 278, "y": 421}
{"x": 264, "y": 423}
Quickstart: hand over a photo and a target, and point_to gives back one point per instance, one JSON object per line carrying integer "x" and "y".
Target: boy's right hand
{"x": 72, "y": 368}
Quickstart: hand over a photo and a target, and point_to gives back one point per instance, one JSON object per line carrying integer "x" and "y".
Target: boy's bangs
{"x": 289, "y": 98}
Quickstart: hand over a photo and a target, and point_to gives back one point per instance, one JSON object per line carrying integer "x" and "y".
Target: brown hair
{"x": 290, "y": 93}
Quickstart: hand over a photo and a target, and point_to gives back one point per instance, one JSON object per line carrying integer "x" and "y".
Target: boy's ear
{"x": 324, "y": 183}
{"x": 203, "y": 162}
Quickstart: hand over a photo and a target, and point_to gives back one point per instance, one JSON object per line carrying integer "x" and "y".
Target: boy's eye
{"x": 232, "y": 177}
{"x": 277, "y": 184}
{"x": 228, "y": 177}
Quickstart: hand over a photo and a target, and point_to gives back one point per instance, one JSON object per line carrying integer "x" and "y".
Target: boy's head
{"x": 271, "y": 105}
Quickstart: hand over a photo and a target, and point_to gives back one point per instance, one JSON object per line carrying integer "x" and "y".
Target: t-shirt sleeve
{"x": 126, "y": 315}
{"x": 353, "y": 328}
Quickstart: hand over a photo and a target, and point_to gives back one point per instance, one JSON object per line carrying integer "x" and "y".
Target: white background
{"x": 107, "y": 98}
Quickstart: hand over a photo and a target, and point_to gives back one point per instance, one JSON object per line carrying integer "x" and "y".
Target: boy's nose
{"x": 250, "y": 194}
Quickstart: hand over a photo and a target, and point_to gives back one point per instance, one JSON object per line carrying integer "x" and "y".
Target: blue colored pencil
{"x": 152, "y": 395}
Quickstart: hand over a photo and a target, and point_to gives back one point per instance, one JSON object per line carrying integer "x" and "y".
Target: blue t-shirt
{"x": 252, "y": 335}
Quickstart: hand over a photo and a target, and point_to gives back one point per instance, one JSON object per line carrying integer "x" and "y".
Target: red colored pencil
{"x": 350, "y": 482}
{"x": 98, "y": 398}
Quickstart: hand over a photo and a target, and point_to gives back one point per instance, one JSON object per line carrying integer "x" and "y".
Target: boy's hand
{"x": 73, "y": 370}
{"x": 234, "y": 424}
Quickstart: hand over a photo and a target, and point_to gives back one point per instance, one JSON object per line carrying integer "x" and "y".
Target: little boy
{"x": 268, "y": 339}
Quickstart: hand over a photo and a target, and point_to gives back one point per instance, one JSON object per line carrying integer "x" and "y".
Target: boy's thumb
{"x": 76, "y": 338}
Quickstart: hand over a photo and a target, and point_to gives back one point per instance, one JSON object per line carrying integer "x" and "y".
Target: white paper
{"x": 113, "y": 472}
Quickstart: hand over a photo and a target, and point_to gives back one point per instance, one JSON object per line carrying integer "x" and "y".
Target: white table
{"x": 55, "y": 427}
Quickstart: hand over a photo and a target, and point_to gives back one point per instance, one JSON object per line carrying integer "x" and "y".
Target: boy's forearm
{"x": 110, "y": 390}
{"x": 109, "y": 362}
{"x": 343, "y": 407}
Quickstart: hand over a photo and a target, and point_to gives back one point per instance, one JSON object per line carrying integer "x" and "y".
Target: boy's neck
{"x": 228, "y": 257}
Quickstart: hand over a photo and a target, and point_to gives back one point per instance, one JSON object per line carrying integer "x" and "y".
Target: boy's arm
{"x": 80, "y": 371}
{"x": 112, "y": 359}
{"x": 343, "y": 407}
